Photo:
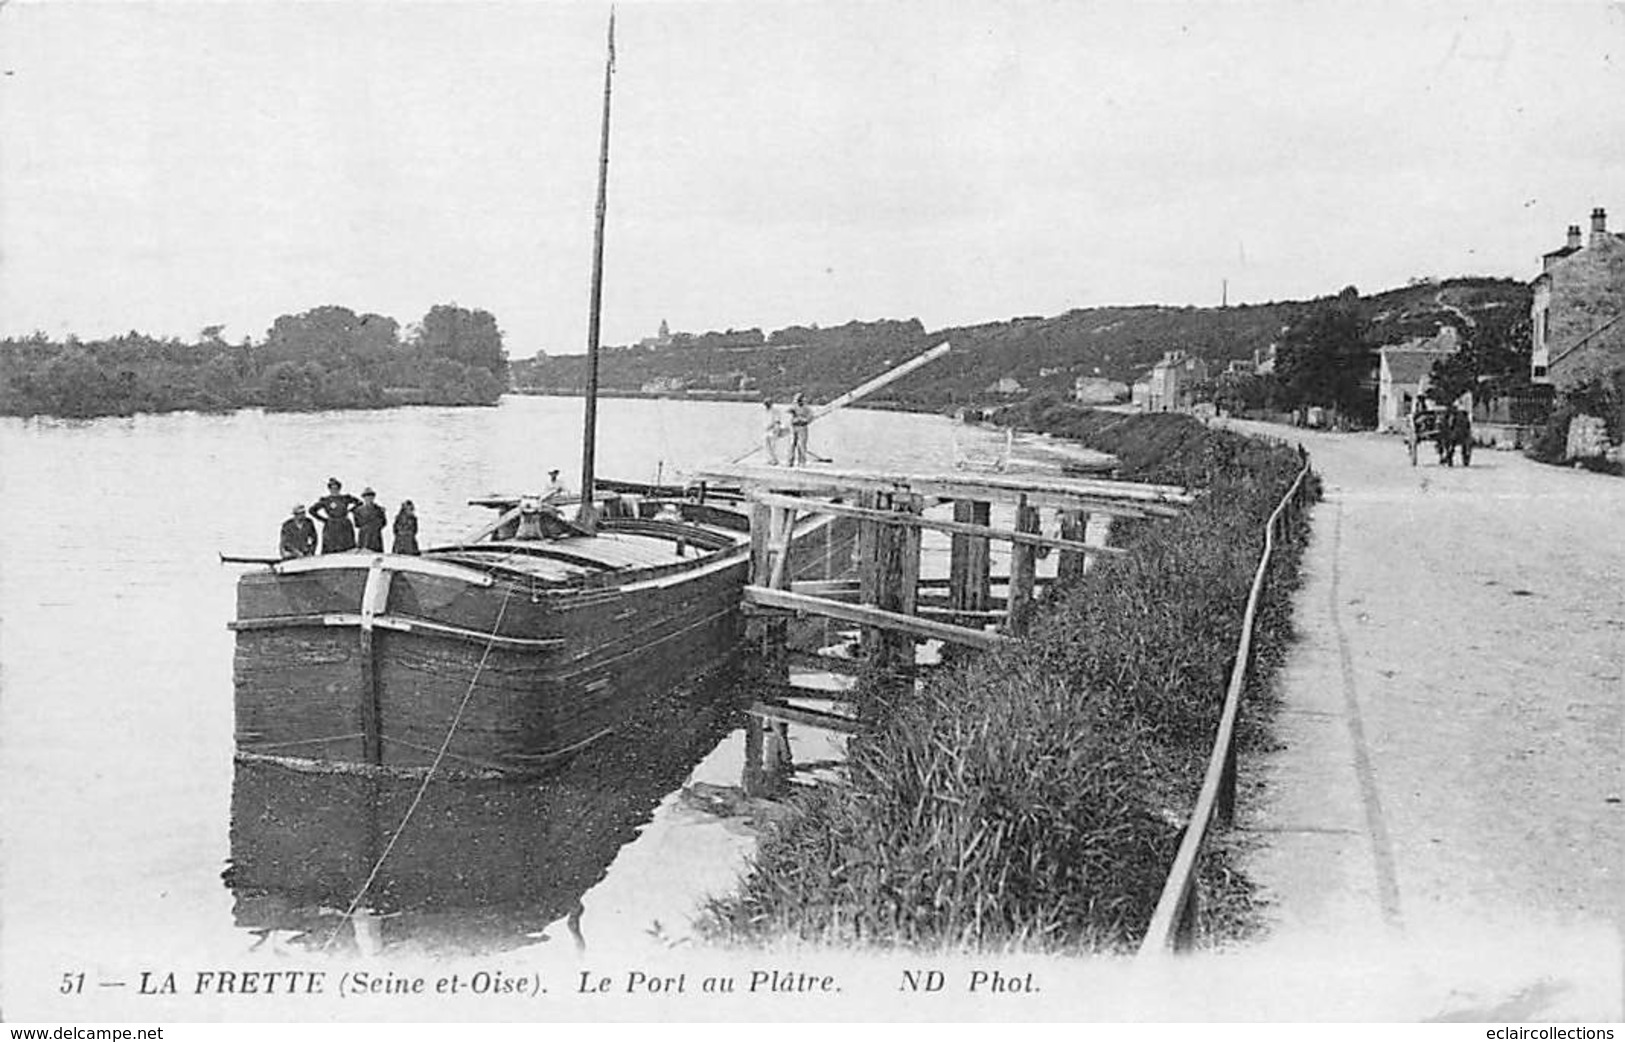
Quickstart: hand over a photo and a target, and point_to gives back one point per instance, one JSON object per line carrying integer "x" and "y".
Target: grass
{"x": 1033, "y": 798}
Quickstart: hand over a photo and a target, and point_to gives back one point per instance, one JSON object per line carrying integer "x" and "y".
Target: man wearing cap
{"x": 333, "y": 511}
{"x": 298, "y": 534}
{"x": 369, "y": 522}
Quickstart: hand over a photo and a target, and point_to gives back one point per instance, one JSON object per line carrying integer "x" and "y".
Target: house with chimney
{"x": 1169, "y": 385}
{"x": 1577, "y": 316}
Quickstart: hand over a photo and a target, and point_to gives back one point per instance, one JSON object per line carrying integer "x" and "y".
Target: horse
{"x": 1455, "y": 431}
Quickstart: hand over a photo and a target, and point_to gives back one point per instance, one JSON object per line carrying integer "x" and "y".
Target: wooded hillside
{"x": 1045, "y": 355}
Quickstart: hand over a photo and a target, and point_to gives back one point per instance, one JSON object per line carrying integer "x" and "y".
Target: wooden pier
{"x": 886, "y": 598}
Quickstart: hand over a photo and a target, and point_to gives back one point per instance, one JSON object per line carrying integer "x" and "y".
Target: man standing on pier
{"x": 772, "y": 430}
{"x": 801, "y": 418}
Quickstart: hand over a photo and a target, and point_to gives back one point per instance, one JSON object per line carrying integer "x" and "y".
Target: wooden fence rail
{"x": 1173, "y": 924}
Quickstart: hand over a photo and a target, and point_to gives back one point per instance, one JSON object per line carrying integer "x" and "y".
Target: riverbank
{"x": 879, "y": 404}
{"x": 1032, "y": 799}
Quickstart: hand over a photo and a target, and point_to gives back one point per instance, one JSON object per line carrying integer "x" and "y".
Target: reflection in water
{"x": 480, "y": 866}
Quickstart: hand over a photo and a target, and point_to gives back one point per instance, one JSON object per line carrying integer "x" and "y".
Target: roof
{"x": 1409, "y": 367}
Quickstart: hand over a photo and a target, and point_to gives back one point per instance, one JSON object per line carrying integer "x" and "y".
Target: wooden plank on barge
{"x": 864, "y": 615}
{"x": 390, "y": 622}
{"x": 394, "y": 562}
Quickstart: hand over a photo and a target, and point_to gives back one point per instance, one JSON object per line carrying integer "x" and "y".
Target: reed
{"x": 1032, "y": 798}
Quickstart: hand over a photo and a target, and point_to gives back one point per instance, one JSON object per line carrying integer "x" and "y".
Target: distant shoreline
{"x": 877, "y": 404}
{"x": 247, "y": 407}
{"x": 708, "y": 396}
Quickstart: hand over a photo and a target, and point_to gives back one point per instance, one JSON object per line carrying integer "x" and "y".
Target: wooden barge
{"x": 497, "y": 655}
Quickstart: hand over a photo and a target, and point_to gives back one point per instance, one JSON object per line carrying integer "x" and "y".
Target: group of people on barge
{"x": 348, "y": 523}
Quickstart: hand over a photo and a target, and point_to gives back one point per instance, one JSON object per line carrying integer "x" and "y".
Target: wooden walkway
{"x": 887, "y": 599}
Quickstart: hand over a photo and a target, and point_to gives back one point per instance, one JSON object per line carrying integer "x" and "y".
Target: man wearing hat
{"x": 369, "y": 522}
{"x": 298, "y": 534}
{"x": 333, "y": 511}
{"x": 555, "y": 487}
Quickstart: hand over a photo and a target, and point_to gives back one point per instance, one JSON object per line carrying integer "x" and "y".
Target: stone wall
{"x": 1504, "y": 436}
{"x": 1588, "y": 438}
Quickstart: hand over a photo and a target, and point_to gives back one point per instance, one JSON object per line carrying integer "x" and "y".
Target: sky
{"x": 166, "y": 166}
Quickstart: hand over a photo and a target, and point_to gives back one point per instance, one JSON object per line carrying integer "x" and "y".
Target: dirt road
{"x": 1441, "y": 833}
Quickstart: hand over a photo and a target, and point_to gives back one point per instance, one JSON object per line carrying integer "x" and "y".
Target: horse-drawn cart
{"x": 1448, "y": 428}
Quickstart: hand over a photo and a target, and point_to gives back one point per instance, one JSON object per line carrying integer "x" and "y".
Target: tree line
{"x": 1325, "y": 351}
{"x": 329, "y": 357}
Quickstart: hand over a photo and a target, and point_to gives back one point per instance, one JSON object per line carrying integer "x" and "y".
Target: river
{"x": 115, "y": 665}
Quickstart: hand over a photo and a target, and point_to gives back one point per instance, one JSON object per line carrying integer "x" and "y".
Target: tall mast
{"x": 586, "y": 515}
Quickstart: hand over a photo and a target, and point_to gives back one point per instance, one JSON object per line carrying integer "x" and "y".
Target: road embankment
{"x": 1033, "y": 798}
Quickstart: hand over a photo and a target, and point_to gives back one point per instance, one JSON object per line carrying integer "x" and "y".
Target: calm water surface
{"x": 116, "y": 716}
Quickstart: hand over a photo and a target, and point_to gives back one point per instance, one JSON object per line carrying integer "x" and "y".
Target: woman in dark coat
{"x": 333, "y": 511}
{"x": 406, "y": 528}
{"x": 370, "y": 520}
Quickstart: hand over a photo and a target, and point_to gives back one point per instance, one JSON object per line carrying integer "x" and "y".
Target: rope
{"x": 427, "y": 778}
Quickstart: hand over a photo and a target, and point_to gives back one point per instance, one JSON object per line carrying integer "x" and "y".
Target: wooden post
{"x": 784, "y": 525}
{"x": 1074, "y": 525}
{"x": 969, "y": 562}
{"x": 869, "y": 534}
{"x": 761, "y": 521}
{"x": 776, "y": 759}
{"x": 751, "y": 777}
{"x": 908, "y": 558}
{"x": 773, "y": 736}
{"x": 1105, "y": 529}
{"x": 1023, "y": 570}
{"x": 1185, "y": 932}
{"x": 895, "y": 575}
